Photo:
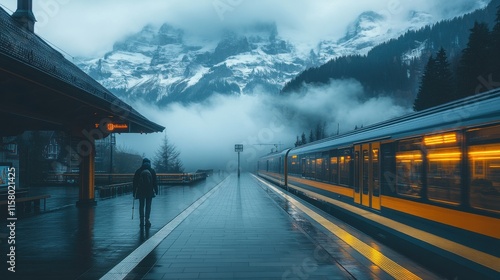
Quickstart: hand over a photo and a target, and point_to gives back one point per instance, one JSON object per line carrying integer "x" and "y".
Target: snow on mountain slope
{"x": 161, "y": 65}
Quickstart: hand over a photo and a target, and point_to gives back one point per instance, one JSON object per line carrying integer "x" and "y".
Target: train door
{"x": 375, "y": 164}
{"x": 365, "y": 183}
{"x": 303, "y": 166}
{"x": 357, "y": 174}
{"x": 280, "y": 164}
{"x": 367, "y": 175}
{"x": 280, "y": 170}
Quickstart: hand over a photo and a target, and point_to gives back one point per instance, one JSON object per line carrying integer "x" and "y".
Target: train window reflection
{"x": 345, "y": 169}
{"x": 443, "y": 175}
{"x": 319, "y": 169}
{"x": 484, "y": 162}
{"x": 409, "y": 173}
{"x": 334, "y": 165}
{"x": 375, "y": 174}
{"x": 311, "y": 168}
{"x": 294, "y": 165}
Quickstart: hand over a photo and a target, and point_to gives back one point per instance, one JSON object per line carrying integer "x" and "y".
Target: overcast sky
{"x": 90, "y": 27}
{"x": 205, "y": 134}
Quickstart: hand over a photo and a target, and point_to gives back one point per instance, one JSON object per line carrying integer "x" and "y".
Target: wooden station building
{"x": 41, "y": 90}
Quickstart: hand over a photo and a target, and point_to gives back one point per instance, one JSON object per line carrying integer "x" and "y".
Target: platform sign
{"x": 114, "y": 127}
{"x": 238, "y": 148}
{"x": 117, "y": 127}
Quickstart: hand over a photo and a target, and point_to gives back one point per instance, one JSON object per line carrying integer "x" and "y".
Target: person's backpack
{"x": 145, "y": 180}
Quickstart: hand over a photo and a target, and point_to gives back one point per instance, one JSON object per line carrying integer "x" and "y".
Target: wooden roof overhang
{"x": 42, "y": 90}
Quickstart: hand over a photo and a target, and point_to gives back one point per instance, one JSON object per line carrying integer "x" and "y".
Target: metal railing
{"x": 114, "y": 190}
{"x": 102, "y": 179}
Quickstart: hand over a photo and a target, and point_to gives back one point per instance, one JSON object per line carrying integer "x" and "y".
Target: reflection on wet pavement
{"x": 71, "y": 243}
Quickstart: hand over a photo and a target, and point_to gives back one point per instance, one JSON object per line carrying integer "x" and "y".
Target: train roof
{"x": 273, "y": 155}
{"x": 475, "y": 110}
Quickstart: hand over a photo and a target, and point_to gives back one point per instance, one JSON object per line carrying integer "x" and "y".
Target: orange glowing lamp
{"x": 111, "y": 127}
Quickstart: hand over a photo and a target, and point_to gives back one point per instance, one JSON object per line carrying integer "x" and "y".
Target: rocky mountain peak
{"x": 160, "y": 65}
{"x": 169, "y": 35}
{"x": 365, "y": 23}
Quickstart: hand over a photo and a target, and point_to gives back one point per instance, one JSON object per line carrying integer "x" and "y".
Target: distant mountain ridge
{"x": 160, "y": 65}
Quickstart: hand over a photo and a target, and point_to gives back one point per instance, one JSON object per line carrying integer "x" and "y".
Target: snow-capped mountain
{"x": 163, "y": 65}
{"x": 369, "y": 30}
{"x": 160, "y": 66}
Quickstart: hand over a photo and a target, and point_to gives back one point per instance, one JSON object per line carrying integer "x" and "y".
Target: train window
{"x": 484, "y": 163}
{"x": 410, "y": 144}
{"x": 483, "y": 135}
{"x": 409, "y": 173}
{"x": 312, "y": 168}
{"x": 388, "y": 168}
{"x": 307, "y": 168}
{"x": 345, "y": 169}
{"x": 334, "y": 166}
{"x": 443, "y": 175}
{"x": 294, "y": 164}
{"x": 319, "y": 168}
{"x": 326, "y": 167}
{"x": 303, "y": 166}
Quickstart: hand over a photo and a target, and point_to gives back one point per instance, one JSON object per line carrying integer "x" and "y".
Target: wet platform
{"x": 222, "y": 228}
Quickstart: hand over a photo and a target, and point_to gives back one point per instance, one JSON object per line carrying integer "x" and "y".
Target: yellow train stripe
{"x": 484, "y": 225}
{"x": 324, "y": 186}
{"x": 476, "y": 223}
{"x": 389, "y": 266}
{"x": 471, "y": 254}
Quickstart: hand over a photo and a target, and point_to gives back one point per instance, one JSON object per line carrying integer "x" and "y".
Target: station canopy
{"x": 41, "y": 90}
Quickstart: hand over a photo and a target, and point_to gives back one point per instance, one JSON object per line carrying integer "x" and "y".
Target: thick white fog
{"x": 205, "y": 133}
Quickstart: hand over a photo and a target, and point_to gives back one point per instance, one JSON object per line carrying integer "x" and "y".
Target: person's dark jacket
{"x": 138, "y": 192}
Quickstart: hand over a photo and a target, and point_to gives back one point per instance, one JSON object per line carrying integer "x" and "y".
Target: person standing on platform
{"x": 145, "y": 187}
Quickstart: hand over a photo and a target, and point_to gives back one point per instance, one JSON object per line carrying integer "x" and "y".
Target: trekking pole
{"x": 133, "y": 205}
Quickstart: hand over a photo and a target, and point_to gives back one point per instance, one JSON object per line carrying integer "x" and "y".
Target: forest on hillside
{"x": 390, "y": 69}
{"x": 455, "y": 58}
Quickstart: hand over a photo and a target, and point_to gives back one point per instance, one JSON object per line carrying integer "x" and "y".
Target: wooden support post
{"x": 87, "y": 172}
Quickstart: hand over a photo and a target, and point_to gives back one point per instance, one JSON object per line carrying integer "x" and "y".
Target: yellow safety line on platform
{"x": 471, "y": 254}
{"x": 389, "y": 266}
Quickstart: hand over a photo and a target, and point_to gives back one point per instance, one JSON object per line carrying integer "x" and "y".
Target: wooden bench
{"x": 24, "y": 203}
{"x": 19, "y": 193}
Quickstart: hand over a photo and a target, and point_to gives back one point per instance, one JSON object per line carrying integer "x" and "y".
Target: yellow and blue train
{"x": 431, "y": 178}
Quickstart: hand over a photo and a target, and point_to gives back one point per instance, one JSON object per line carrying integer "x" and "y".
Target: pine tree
{"x": 425, "y": 91}
{"x": 475, "y": 62}
{"x": 303, "y": 139}
{"x": 167, "y": 158}
{"x": 297, "y": 142}
{"x": 311, "y": 137}
{"x": 320, "y": 131}
{"x": 444, "y": 90}
{"x": 495, "y": 51}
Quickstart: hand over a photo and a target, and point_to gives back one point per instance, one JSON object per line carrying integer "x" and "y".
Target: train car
{"x": 436, "y": 171}
{"x": 272, "y": 166}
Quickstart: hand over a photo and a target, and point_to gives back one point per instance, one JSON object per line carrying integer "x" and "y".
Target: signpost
{"x": 238, "y": 148}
